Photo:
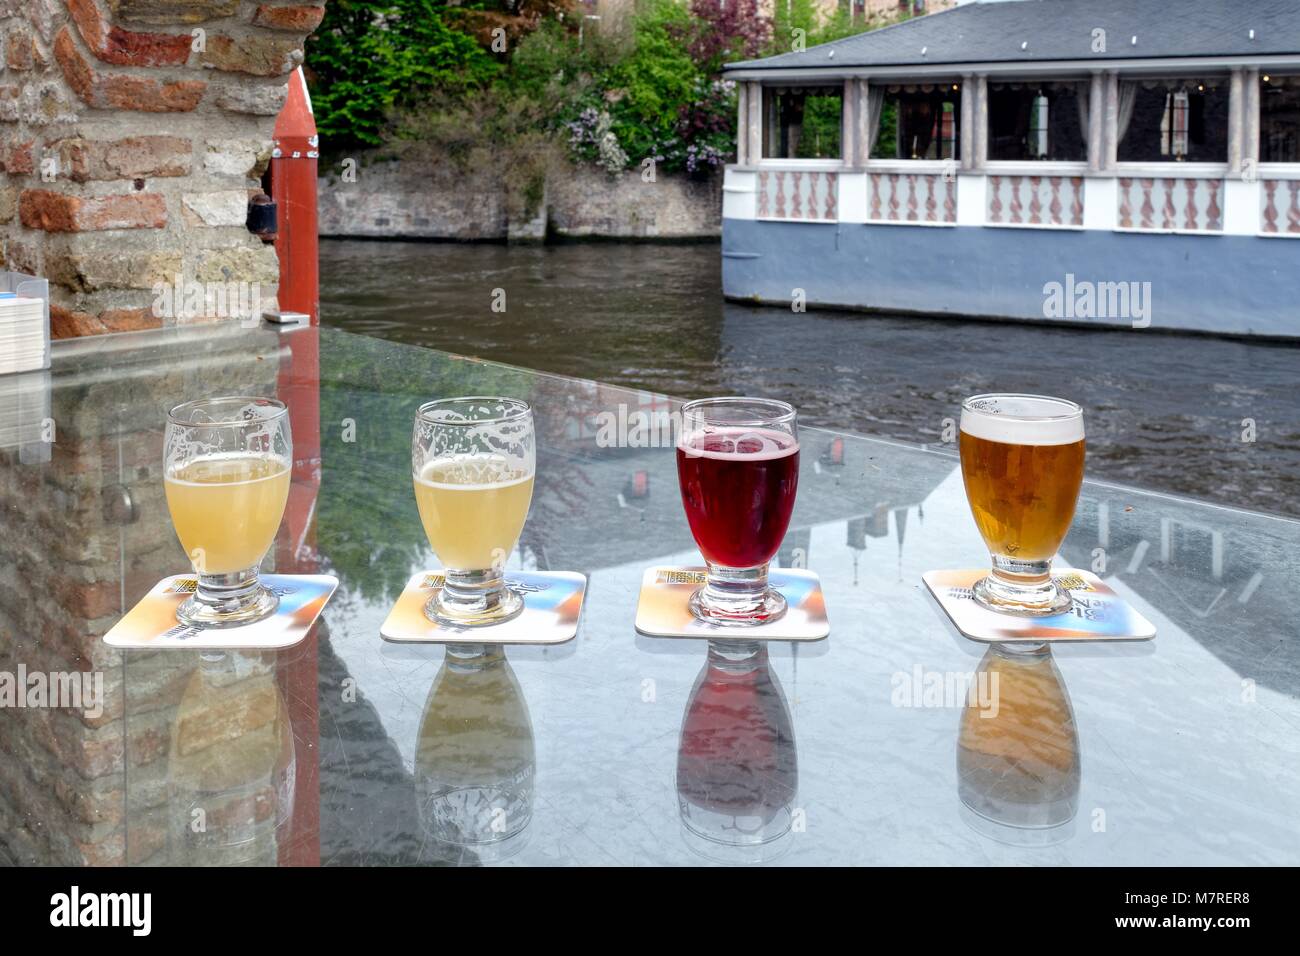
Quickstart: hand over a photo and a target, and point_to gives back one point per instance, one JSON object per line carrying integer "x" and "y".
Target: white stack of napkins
{"x": 22, "y": 333}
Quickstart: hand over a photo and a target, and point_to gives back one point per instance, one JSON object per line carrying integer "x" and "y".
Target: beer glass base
{"x": 482, "y": 611}
{"x": 748, "y": 611}
{"x": 1036, "y": 600}
{"x": 228, "y": 600}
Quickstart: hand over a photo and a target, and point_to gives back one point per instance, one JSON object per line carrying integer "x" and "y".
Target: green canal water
{"x": 1167, "y": 412}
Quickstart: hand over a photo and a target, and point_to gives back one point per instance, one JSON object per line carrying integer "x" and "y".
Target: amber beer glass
{"x": 472, "y": 462}
{"x": 226, "y": 469}
{"x": 1022, "y": 464}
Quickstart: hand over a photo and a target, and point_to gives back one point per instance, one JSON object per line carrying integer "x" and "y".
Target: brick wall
{"x": 116, "y": 789}
{"x": 132, "y": 133}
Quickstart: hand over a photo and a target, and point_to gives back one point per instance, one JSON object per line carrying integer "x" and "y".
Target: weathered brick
{"x": 112, "y": 44}
{"x": 17, "y": 159}
{"x": 225, "y": 207}
{"x": 59, "y": 212}
{"x": 263, "y": 99}
{"x": 163, "y": 12}
{"x": 299, "y": 18}
{"x": 23, "y": 257}
{"x": 20, "y": 54}
{"x": 135, "y": 157}
{"x": 237, "y": 157}
{"x": 73, "y": 323}
{"x": 244, "y": 263}
{"x": 103, "y": 268}
{"x": 256, "y": 54}
{"x": 9, "y": 99}
{"x": 116, "y": 91}
{"x": 8, "y": 202}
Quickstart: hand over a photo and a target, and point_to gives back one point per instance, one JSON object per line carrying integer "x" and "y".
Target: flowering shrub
{"x": 592, "y": 138}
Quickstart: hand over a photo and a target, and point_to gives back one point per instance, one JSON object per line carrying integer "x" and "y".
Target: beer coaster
{"x": 1096, "y": 613}
{"x": 552, "y": 603}
{"x": 152, "y": 625}
{"x": 662, "y": 609}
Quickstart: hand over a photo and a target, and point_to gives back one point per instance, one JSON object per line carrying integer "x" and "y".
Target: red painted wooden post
{"x": 293, "y": 187}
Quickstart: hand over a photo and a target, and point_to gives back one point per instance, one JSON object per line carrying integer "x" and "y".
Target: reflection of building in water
{"x": 1018, "y": 767}
{"x": 231, "y": 769}
{"x": 474, "y": 759}
{"x": 737, "y": 764}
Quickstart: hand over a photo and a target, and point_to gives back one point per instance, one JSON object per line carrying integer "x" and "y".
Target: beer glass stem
{"x": 228, "y": 600}
{"x": 1017, "y": 586}
{"x": 737, "y": 597}
{"x": 474, "y": 599}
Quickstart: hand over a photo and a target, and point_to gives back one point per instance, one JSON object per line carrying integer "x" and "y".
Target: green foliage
{"x": 655, "y": 82}
{"x": 370, "y": 56}
{"x": 820, "y": 137}
{"x": 387, "y": 71}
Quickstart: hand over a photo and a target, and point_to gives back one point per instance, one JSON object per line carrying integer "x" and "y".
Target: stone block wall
{"x": 426, "y": 198}
{"x": 132, "y": 133}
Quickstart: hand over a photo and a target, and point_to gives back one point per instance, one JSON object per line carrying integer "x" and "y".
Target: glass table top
{"x": 614, "y": 748}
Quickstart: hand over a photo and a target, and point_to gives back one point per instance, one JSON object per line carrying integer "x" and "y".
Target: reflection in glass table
{"x": 613, "y": 748}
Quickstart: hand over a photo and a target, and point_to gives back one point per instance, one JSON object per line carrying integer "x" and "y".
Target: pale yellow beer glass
{"x": 227, "y": 463}
{"x": 473, "y": 460}
{"x": 1022, "y": 465}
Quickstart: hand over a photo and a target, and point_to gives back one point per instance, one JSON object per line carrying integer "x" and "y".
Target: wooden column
{"x": 850, "y": 128}
{"x": 1236, "y": 124}
{"x": 1096, "y": 122}
{"x": 1250, "y": 122}
{"x": 1110, "y": 133}
{"x": 981, "y": 115}
{"x": 968, "y": 126}
{"x": 754, "y": 123}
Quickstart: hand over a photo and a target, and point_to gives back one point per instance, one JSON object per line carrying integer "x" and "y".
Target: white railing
{"x": 799, "y": 194}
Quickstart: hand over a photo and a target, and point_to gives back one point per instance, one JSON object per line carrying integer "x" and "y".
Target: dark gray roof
{"x": 990, "y": 32}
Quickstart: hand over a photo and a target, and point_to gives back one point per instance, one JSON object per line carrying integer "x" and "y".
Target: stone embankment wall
{"x": 431, "y": 199}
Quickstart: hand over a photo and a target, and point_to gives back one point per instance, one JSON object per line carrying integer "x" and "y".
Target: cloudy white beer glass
{"x": 473, "y": 460}
{"x": 226, "y": 468}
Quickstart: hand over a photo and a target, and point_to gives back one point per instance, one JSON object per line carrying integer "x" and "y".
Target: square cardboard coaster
{"x": 662, "y": 610}
{"x": 1096, "y": 614}
{"x": 552, "y": 603}
{"x": 152, "y": 625}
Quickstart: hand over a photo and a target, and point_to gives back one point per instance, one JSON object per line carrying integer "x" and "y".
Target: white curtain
{"x": 875, "y": 106}
{"x": 1128, "y": 90}
{"x": 1083, "y": 91}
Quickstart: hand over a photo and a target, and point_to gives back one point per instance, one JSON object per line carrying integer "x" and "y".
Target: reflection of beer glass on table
{"x": 226, "y": 474}
{"x": 738, "y": 466}
{"x": 1022, "y": 463}
{"x": 473, "y": 461}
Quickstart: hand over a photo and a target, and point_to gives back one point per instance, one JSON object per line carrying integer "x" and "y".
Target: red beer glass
{"x": 738, "y": 466}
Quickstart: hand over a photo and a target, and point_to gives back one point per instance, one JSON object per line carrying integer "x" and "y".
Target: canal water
{"x": 1210, "y": 418}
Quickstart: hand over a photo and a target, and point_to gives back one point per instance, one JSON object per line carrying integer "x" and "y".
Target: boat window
{"x": 1032, "y": 121}
{"x": 1279, "y": 119}
{"x": 920, "y": 121}
{"x": 1173, "y": 120}
{"x": 802, "y": 122}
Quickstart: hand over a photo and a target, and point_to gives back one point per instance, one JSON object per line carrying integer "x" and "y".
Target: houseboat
{"x": 1129, "y": 163}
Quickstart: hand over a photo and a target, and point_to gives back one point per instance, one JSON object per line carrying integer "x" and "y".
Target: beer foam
{"x": 1022, "y": 420}
{"x": 223, "y": 465}
{"x": 772, "y": 444}
{"x": 475, "y": 474}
